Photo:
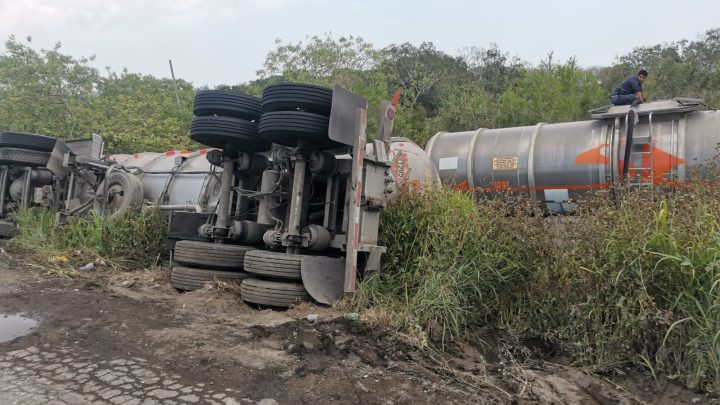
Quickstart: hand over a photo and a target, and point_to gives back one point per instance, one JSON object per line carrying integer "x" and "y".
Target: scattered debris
{"x": 88, "y": 267}
{"x": 59, "y": 259}
{"x": 92, "y": 265}
{"x": 352, "y": 316}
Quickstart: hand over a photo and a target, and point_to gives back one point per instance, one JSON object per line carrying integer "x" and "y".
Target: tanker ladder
{"x": 635, "y": 174}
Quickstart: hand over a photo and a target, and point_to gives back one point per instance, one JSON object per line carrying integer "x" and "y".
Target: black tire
{"x": 273, "y": 264}
{"x": 297, "y": 97}
{"x": 210, "y": 255}
{"x": 288, "y": 127}
{"x": 23, "y": 157}
{"x": 272, "y": 293}
{"x": 124, "y": 193}
{"x": 228, "y": 133}
{"x": 227, "y": 104}
{"x": 188, "y": 279}
{"x": 24, "y": 140}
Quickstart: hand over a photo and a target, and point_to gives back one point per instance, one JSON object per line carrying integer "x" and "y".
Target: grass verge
{"x": 134, "y": 241}
{"x": 618, "y": 285}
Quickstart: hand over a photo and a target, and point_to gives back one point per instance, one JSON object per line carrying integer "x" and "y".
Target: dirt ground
{"x": 129, "y": 338}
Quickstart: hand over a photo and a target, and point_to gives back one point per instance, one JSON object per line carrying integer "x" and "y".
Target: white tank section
{"x": 412, "y": 170}
{"x": 555, "y": 164}
{"x": 175, "y": 179}
{"x": 186, "y": 180}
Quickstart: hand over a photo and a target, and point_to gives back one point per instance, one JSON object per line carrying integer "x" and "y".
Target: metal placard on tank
{"x": 342, "y": 115}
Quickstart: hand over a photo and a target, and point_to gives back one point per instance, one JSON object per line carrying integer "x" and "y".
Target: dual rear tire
{"x": 196, "y": 263}
{"x": 276, "y": 279}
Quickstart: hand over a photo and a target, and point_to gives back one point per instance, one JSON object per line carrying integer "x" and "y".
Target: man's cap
{"x": 642, "y": 72}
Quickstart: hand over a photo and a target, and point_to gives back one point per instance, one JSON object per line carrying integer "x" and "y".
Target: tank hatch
{"x": 675, "y": 105}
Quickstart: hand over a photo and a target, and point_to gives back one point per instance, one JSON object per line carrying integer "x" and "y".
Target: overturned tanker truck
{"x": 664, "y": 142}
{"x": 286, "y": 198}
{"x": 38, "y": 171}
{"x": 291, "y": 208}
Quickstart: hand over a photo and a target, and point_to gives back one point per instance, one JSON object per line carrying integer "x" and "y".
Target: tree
{"x": 493, "y": 69}
{"x": 45, "y": 91}
{"x": 422, "y": 73}
{"x": 426, "y": 77}
{"x": 348, "y": 61}
{"x": 54, "y": 94}
{"x": 322, "y": 60}
{"x": 136, "y": 113}
{"x": 551, "y": 93}
{"x": 466, "y": 107}
{"x": 678, "y": 69}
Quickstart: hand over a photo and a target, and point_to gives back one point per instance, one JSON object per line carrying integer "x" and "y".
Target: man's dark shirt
{"x": 631, "y": 85}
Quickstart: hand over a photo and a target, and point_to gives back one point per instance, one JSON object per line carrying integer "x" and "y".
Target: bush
{"x": 627, "y": 283}
{"x": 450, "y": 261}
{"x": 135, "y": 240}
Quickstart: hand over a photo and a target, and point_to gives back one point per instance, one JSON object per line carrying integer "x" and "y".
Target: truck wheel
{"x": 273, "y": 264}
{"x": 227, "y": 104}
{"x": 188, "y": 279}
{"x": 287, "y": 127}
{"x": 124, "y": 193}
{"x": 24, "y": 140}
{"x": 23, "y": 157}
{"x": 297, "y": 97}
{"x": 228, "y": 133}
{"x": 272, "y": 293}
{"x": 210, "y": 255}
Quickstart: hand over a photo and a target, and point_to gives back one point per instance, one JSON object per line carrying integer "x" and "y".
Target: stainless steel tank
{"x": 186, "y": 180}
{"x": 175, "y": 179}
{"x": 558, "y": 163}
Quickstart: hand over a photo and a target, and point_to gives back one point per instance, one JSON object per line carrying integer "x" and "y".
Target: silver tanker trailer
{"x": 664, "y": 142}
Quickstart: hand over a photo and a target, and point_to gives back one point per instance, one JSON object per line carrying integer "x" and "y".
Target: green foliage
{"x": 450, "y": 262}
{"x": 677, "y": 69}
{"x": 422, "y": 73}
{"x": 550, "y": 93}
{"x": 45, "y": 91}
{"x": 54, "y": 94}
{"x": 322, "y": 60}
{"x": 494, "y": 70}
{"x": 617, "y": 286}
{"x": 135, "y": 240}
{"x": 136, "y": 113}
{"x": 466, "y": 107}
{"x": 48, "y": 92}
{"x": 639, "y": 285}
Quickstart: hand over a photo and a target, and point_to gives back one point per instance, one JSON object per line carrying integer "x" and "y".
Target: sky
{"x": 215, "y": 42}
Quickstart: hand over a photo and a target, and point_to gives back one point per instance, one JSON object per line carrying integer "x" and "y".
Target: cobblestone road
{"x": 60, "y": 376}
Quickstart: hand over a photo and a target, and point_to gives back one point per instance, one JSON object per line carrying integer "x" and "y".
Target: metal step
{"x": 641, "y": 140}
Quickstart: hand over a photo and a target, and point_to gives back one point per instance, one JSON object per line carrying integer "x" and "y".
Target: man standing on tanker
{"x": 630, "y": 91}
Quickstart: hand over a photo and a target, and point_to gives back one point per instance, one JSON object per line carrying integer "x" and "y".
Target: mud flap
{"x": 58, "y": 163}
{"x": 7, "y": 229}
{"x": 323, "y": 277}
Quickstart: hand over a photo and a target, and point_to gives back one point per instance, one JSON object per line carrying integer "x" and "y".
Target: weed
{"x": 626, "y": 284}
{"x": 136, "y": 240}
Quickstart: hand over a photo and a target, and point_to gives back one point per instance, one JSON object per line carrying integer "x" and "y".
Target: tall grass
{"x": 629, "y": 284}
{"x": 450, "y": 261}
{"x": 134, "y": 240}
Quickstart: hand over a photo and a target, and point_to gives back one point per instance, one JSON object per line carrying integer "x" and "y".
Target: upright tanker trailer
{"x": 556, "y": 164}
